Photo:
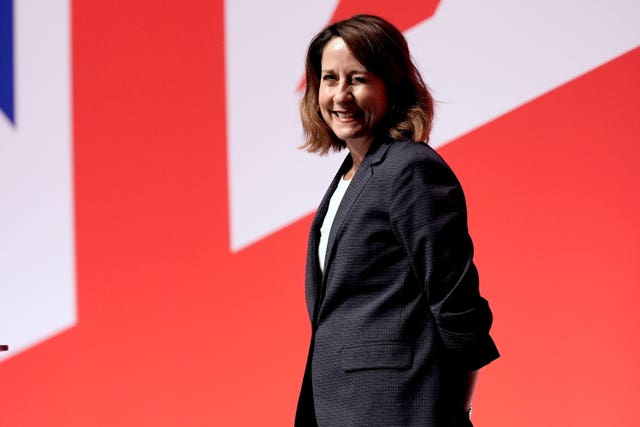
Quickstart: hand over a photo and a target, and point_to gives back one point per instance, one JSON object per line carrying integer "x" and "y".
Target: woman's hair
{"x": 381, "y": 49}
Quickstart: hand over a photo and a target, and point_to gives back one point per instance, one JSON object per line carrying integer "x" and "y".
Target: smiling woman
{"x": 376, "y": 54}
{"x": 352, "y": 100}
{"x": 399, "y": 328}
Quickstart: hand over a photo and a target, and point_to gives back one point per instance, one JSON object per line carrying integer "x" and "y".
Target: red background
{"x": 175, "y": 330}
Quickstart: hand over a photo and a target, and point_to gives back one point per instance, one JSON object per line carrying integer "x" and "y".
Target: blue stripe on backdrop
{"x": 6, "y": 59}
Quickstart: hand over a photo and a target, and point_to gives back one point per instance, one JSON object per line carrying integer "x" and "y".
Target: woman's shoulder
{"x": 407, "y": 153}
{"x": 418, "y": 168}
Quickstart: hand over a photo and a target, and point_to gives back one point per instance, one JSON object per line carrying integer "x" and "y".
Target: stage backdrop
{"x": 154, "y": 208}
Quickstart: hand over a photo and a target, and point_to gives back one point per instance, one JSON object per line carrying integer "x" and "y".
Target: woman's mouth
{"x": 345, "y": 115}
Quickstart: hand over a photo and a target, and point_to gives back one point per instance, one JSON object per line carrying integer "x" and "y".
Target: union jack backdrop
{"x": 154, "y": 208}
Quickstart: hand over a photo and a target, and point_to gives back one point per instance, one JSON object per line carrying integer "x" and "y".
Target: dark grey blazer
{"x": 397, "y": 318}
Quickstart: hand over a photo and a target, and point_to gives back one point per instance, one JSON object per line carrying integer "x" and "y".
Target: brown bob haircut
{"x": 381, "y": 49}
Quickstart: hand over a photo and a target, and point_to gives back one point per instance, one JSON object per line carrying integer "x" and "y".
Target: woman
{"x": 399, "y": 328}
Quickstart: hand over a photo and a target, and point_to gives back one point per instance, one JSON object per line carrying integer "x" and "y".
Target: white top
{"x": 327, "y": 222}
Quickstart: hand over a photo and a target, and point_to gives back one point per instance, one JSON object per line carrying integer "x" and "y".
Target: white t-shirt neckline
{"x": 327, "y": 222}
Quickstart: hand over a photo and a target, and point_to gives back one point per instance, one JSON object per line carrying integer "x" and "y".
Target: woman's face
{"x": 352, "y": 100}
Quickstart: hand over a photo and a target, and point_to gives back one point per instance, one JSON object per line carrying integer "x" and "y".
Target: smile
{"x": 343, "y": 115}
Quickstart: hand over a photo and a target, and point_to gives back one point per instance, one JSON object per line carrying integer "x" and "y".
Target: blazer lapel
{"x": 313, "y": 277}
{"x": 358, "y": 183}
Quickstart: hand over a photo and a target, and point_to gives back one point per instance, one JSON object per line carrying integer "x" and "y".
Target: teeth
{"x": 345, "y": 115}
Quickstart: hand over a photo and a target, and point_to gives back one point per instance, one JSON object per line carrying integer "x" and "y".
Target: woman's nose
{"x": 343, "y": 93}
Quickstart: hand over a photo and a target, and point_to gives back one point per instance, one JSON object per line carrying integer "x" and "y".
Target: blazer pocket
{"x": 389, "y": 355}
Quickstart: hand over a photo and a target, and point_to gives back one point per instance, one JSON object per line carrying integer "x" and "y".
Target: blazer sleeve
{"x": 429, "y": 218}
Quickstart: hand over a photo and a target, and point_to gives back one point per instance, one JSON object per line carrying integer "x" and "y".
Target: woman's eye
{"x": 328, "y": 77}
{"x": 359, "y": 79}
